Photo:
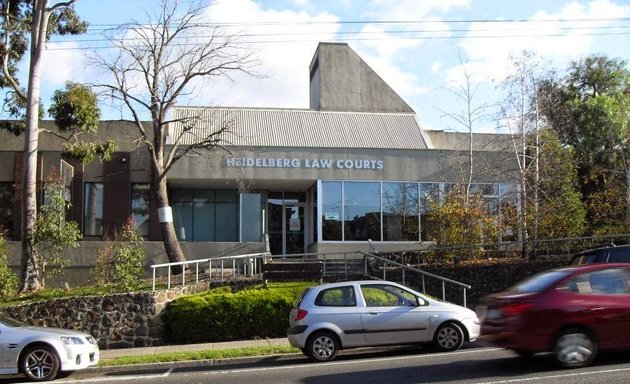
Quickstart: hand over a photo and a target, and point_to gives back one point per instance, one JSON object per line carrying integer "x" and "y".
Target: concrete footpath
{"x": 115, "y": 353}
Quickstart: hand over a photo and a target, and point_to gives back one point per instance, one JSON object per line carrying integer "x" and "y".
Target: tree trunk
{"x": 30, "y": 278}
{"x": 171, "y": 244}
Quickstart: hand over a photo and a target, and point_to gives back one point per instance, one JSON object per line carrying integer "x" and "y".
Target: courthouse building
{"x": 356, "y": 165}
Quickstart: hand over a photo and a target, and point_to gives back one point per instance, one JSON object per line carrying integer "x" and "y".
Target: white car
{"x": 330, "y": 317}
{"x": 42, "y": 353}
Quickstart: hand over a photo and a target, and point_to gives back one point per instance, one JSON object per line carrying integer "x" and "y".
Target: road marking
{"x": 165, "y": 374}
{"x": 524, "y": 379}
{"x": 353, "y": 362}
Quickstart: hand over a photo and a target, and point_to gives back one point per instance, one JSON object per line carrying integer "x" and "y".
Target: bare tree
{"x": 520, "y": 114}
{"x": 468, "y": 118}
{"x": 157, "y": 63}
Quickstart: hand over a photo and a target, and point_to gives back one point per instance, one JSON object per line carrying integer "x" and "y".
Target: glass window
{"x": 362, "y": 211}
{"x": 540, "y": 281}
{"x": 603, "y": 282}
{"x": 227, "y": 215}
{"x": 400, "y": 212}
{"x": 331, "y": 210}
{"x": 203, "y": 221}
{"x": 140, "y": 198}
{"x": 428, "y": 193}
{"x": 376, "y": 295}
{"x": 183, "y": 220}
{"x": 205, "y": 214}
{"x": 6, "y": 207}
{"x": 93, "y": 209}
{"x": 337, "y": 297}
{"x": 251, "y": 217}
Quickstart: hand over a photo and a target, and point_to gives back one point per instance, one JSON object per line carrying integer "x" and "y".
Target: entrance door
{"x": 286, "y": 225}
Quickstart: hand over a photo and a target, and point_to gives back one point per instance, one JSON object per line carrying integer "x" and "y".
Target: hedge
{"x": 223, "y": 315}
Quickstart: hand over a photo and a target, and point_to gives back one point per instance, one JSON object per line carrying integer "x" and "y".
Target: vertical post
{"x": 465, "y": 297}
{"x": 424, "y": 288}
{"x": 210, "y": 269}
{"x": 403, "y": 275}
{"x": 196, "y": 273}
{"x": 153, "y": 279}
{"x": 365, "y": 264}
{"x": 443, "y": 290}
{"x": 168, "y": 284}
{"x": 183, "y": 275}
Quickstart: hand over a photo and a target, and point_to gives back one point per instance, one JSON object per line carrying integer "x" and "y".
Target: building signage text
{"x": 264, "y": 162}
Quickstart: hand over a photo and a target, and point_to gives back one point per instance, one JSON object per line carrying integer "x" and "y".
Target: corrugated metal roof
{"x": 254, "y": 127}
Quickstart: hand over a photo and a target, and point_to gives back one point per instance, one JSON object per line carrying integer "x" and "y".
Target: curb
{"x": 190, "y": 363}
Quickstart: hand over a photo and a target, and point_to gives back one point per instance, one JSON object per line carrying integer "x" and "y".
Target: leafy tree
{"x": 158, "y": 62}
{"x": 8, "y": 280}
{"x": 561, "y": 212}
{"x": 53, "y": 233}
{"x": 76, "y": 115}
{"x": 462, "y": 222}
{"x": 26, "y": 25}
{"x": 120, "y": 263}
{"x": 588, "y": 108}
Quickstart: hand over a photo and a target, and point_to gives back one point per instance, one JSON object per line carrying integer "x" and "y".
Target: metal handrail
{"x": 404, "y": 268}
{"x": 250, "y": 269}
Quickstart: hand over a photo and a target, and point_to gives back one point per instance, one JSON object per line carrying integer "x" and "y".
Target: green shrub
{"x": 120, "y": 263}
{"x": 8, "y": 280}
{"x": 223, "y": 316}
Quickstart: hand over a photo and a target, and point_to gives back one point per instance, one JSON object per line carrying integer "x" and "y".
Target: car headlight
{"x": 71, "y": 340}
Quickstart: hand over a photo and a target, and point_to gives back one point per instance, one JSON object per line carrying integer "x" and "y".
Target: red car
{"x": 573, "y": 312}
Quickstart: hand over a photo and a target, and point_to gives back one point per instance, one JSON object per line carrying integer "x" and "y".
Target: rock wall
{"x": 126, "y": 320}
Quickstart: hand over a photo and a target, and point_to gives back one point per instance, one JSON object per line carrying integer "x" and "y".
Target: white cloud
{"x": 557, "y": 37}
{"x": 63, "y": 62}
{"x": 284, "y": 41}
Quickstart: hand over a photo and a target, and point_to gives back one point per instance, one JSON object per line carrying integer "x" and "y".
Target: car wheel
{"x": 448, "y": 337}
{"x": 39, "y": 363}
{"x": 322, "y": 346}
{"x": 575, "y": 348}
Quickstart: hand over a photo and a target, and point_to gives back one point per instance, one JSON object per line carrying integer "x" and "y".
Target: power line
{"x": 345, "y": 38}
{"x": 427, "y": 21}
{"x": 343, "y": 33}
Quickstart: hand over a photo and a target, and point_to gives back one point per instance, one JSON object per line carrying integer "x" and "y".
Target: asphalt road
{"x": 400, "y": 366}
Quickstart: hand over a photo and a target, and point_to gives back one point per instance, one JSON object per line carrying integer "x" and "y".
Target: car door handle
{"x": 372, "y": 313}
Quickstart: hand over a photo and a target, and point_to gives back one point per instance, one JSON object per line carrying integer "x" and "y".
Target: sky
{"x": 419, "y": 47}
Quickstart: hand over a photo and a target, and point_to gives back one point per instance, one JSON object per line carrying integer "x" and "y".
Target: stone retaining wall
{"x": 117, "y": 321}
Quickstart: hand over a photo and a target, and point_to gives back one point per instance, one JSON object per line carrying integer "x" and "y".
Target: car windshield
{"x": 9, "y": 321}
{"x": 539, "y": 282}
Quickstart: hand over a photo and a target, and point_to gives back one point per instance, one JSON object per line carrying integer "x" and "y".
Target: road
{"x": 400, "y": 366}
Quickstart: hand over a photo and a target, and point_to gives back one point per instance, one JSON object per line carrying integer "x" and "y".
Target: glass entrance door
{"x": 286, "y": 224}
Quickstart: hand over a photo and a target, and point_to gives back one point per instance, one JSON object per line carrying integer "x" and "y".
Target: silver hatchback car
{"x": 352, "y": 314}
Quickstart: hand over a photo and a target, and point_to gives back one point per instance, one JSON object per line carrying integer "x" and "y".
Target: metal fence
{"x": 218, "y": 267}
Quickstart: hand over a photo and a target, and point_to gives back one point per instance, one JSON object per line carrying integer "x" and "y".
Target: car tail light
{"x": 300, "y": 314}
{"x": 515, "y": 309}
